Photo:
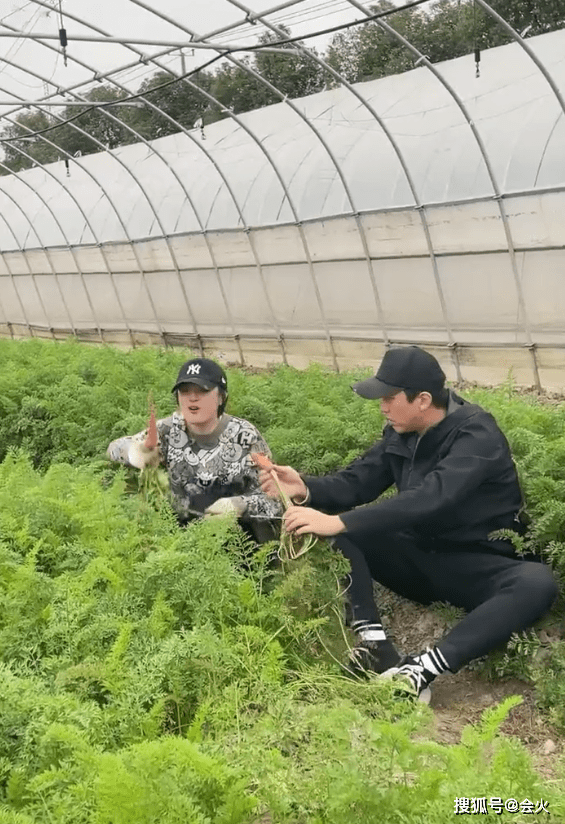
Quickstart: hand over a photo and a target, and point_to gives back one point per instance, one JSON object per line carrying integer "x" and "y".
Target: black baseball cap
{"x": 406, "y": 367}
{"x": 203, "y": 372}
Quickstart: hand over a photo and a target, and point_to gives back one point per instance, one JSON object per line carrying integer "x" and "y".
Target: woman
{"x": 207, "y": 453}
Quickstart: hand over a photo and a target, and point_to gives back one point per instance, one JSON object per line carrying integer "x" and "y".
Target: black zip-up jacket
{"x": 456, "y": 484}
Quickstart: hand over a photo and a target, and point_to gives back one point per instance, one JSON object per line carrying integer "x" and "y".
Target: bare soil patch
{"x": 461, "y": 698}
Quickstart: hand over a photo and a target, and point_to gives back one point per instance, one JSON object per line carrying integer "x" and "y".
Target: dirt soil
{"x": 460, "y": 699}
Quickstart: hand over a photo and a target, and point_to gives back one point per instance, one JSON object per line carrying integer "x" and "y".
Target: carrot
{"x": 290, "y": 546}
{"x": 265, "y": 463}
{"x": 262, "y": 461}
{"x": 151, "y": 438}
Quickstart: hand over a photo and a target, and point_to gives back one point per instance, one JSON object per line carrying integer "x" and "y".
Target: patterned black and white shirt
{"x": 205, "y": 468}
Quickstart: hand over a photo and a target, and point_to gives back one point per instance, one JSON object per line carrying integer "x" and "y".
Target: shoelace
{"x": 416, "y": 674}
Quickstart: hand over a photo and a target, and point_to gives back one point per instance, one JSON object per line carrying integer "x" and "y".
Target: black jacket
{"x": 456, "y": 484}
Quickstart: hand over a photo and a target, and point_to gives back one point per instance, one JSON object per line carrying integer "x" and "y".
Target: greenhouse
{"x": 244, "y": 580}
{"x": 422, "y": 207}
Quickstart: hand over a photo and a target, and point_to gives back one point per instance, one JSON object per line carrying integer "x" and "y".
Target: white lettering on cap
{"x": 193, "y": 369}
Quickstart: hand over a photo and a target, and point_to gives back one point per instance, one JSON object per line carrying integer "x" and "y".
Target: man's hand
{"x": 233, "y": 507}
{"x": 301, "y": 520}
{"x": 289, "y": 481}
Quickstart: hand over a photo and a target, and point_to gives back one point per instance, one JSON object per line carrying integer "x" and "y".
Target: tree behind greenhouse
{"x": 441, "y": 31}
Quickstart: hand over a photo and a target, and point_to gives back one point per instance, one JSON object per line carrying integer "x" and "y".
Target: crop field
{"x": 155, "y": 674}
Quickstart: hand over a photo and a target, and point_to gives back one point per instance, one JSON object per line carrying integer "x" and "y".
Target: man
{"x": 207, "y": 453}
{"x": 456, "y": 484}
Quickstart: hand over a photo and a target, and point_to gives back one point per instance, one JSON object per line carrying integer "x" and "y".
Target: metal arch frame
{"x": 283, "y": 185}
{"x": 188, "y": 197}
{"x": 346, "y": 187}
{"x": 529, "y": 51}
{"x": 31, "y": 274}
{"x": 141, "y": 139}
{"x": 561, "y": 100}
{"x": 44, "y": 248}
{"x": 229, "y": 189}
{"x": 253, "y": 17}
{"x": 141, "y": 188}
{"x": 165, "y": 236}
{"x": 181, "y": 128}
{"x": 11, "y": 274}
{"x": 297, "y": 222}
{"x": 498, "y": 196}
{"x": 63, "y": 233}
{"x": 418, "y": 204}
{"x": 355, "y": 212}
{"x": 488, "y": 166}
{"x": 122, "y": 223}
{"x": 273, "y": 165}
{"x": 42, "y": 137}
{"x": 128, "y": 237}
{"x": 482, "y": 149}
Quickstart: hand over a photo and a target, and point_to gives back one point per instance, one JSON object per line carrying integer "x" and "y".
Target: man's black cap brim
{"x": 373, "y": 388}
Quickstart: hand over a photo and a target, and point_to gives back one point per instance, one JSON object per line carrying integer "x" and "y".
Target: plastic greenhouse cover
{"x": 397, "y": 142}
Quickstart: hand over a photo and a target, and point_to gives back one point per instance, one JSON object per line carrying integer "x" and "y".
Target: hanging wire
{"x": 476, "y": 43}
{"x": 62, "y": 33}
{"x": 252, "y": 48}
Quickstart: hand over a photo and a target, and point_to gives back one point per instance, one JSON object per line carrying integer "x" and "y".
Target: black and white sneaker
{"x": 372, "y": 657}
{"x": 412, "y": 674}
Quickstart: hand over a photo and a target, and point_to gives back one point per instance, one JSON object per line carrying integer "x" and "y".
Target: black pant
{"x": 502, "y": 594}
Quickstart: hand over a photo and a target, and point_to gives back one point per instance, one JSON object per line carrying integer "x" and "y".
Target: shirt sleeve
{"x": 129, "y": 449}
{"x": 472, "y": 459}
{"x": 361, "y": 482}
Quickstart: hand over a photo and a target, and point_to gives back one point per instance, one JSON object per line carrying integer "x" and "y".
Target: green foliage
{"x": 152, "y": 673}
{"x": 550, "y": 683}
{"x": 440, "y": 31}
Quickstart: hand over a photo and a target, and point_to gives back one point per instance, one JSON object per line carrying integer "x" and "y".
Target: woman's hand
{"x": 152, "y": 438}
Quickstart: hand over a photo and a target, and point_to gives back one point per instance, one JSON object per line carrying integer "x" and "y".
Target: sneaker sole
{"x": 425, "y": 696}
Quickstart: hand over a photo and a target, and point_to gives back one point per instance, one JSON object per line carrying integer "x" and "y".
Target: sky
{"x": 37, "y": 71}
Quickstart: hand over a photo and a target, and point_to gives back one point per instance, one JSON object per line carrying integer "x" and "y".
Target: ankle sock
{"x": 433, "y": 663}
{"x": 374, "y": 651}
{"x": 369, "y": 631}
{"x": 422, "y": 669}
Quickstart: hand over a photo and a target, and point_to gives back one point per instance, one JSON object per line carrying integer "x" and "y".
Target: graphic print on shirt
{"x": 201, "y": 473}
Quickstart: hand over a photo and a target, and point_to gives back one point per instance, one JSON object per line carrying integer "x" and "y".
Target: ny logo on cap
{"x": 193, "y": 369}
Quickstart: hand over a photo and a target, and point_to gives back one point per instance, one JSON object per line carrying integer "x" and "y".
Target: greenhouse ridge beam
{"x": 172, "y": 45}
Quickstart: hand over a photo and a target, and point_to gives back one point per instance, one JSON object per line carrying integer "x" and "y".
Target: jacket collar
{"x": 458, "y": 410}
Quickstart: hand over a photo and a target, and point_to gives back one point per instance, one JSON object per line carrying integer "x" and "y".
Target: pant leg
{"x": 261, "y": 530}
{"x": 509, "y": 596}
{"x": 501, "y": 594}
{"x": 392, "y": 560}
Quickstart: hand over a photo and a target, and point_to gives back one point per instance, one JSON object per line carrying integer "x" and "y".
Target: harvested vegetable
{"x": 290, "y": 546}
{"x": 152, "y": 439}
